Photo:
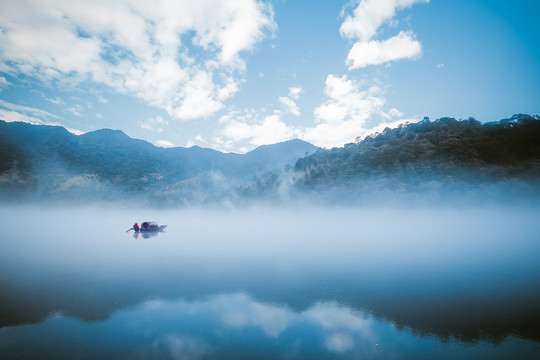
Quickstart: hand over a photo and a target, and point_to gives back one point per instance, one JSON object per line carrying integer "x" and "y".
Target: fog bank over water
{"x": 429, "y": 162}
{"x": 419, "y": 255}
{"x": 289, "y": 230}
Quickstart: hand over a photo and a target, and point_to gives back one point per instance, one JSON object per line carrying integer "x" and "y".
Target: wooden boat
{"x": 149, "y": 226}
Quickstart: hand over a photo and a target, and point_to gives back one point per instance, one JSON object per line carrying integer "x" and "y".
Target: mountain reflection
{"x": 310, "y": 284}
{"x": 233, "y": 325}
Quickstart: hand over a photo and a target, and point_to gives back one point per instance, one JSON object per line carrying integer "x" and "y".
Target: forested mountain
{"x": 445, "y": 147}
{"x": 50, "y": 162}
{"x": 445, "y": 157}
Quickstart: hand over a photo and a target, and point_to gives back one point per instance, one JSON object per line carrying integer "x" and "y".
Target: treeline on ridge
{"x": 445, "y": 157}
{"x": 445, "y": 147}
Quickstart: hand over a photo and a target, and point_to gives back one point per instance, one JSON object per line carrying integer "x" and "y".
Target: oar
{"x": 129, "y": 229}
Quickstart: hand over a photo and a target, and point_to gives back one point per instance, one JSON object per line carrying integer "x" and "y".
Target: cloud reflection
{"x": 239, "y": 311}
{"x": 184, "y": 347}
{"x": 343, "y": 322}
{"x": 230, "y": 325}
{"x": 339, "y": 342}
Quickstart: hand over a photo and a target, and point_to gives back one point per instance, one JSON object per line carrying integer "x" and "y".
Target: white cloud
{"x": 75, "y": 131}
{"x": 182, "y": 56}
{"x": 289, "y": 105}
{"x": 349, "y": 112}
{"x": 75, "y": 109}
{"x": 367, "y": 19}
{"x": 197, "y": 141}
{"x": 269, "y": 130}
{"x": 440, "y": 66}
{"x": 256, "y": 127}
{"x": 102, "y": 99}
{"x": 352, "y": 110}
{"x": 13, "y": 116}
{"x": 155, "y": 124}
{"x": 288, "y": 102}
{"x": 401, "y": 46}
{"x": 370, "y": 15}
{"x": 199, "y": 98}
{"x": 164, "y": 143}
{"x": 56, "y": 101}
{"x": 294, "y": 92}
{"x": 12, "y": 112}
{"x": 41, "y": 114}
{"x": 4, "y": 82}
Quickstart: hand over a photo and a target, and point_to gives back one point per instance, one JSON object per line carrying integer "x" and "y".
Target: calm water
{"x": 271, "y": 283}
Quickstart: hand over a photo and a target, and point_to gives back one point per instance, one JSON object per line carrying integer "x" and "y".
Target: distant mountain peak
{"x": 105, "y": 133}
{"x": 286, "y": 146}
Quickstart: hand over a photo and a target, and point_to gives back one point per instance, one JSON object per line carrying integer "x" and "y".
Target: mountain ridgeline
{"x": 439, "y": 159}
{"x": 444, "y": 158}
{"x": 48, "y": 162}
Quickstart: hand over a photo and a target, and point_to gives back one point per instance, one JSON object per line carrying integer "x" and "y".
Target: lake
{"x": 270, "y": 283}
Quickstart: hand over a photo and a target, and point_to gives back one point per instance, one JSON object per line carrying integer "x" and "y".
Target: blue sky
{"x": 233, "y": 75}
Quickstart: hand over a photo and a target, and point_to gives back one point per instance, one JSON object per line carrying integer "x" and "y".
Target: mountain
{"x": 439, "y": 160}
{"x": 510, "y": 147}
{"x": 447, "y": 158}
{"x": 50, "y": 161}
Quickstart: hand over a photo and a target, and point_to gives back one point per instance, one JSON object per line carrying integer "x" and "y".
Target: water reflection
{"x": 238, "y": 326}
{"x": 145, "y": 234}
{"x": 309, "y": 285}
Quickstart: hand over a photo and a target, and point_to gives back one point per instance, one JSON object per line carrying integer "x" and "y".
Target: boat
{"x": 151, "y": 226}
{"x": 148, "y": 226}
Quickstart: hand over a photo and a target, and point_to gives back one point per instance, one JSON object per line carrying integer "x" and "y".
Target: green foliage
{"x": 419, "y": 157}
{"x": 446, "y": 147}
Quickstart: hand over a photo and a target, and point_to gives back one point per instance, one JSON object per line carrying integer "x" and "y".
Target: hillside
{"x": 50, "y": 162}
{"x": 444, "y": 158}
{"x": 508, "y": 148}
{"x": 421, "y": 156}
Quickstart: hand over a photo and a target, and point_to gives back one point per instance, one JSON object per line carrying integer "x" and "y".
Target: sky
{"x": 233, "y": 75}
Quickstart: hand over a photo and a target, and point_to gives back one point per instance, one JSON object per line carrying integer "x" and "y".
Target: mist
{"x": 418, "y": 255}
{"x": 379, "y": 235}
{"x": 427, "y": 163}
{"x": 399, "y": 243}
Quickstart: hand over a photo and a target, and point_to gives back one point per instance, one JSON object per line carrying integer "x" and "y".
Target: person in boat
{"x": 149, "y": 225}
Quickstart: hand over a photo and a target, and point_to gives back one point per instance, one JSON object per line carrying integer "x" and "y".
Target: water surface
{"x": 271, "y": 283}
